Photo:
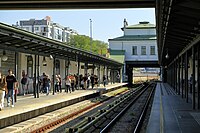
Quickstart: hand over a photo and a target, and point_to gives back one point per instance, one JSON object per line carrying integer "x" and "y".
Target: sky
{"x": 106, "y": 23}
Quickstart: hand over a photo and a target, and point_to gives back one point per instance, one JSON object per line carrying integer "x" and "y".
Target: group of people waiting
{"x": 8, "y": 87}
{"x": 9, "y": 84}
{"x": 72, "y": 82}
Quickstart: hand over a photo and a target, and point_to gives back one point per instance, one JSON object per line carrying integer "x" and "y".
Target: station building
{"x": 137, "y": 46}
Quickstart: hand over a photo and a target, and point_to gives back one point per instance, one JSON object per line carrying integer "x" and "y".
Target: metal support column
{"x": 54, "y": 74}
{"x": 38, "y": 75}
{"x": 182, "y": 76}
{"x": 186, "y": 75}
{"x": 178, "y": 76}
{"x": 35, "y": 77}
{"x": 68, "y": 65}
{"x": 175, "y": 75}
{"x": 78, "y": 73}
{"x": 16, "y": 74}
{"x": 172, "y": 75}
{"x": 107, "y": 75}
{"x": 193, "y": 78}
{"x": 121, "y": 74}
{"x": 85, "y": 68}
{"x": 93, "y": 67}
{"x": 65, "y": 68}
{"x": 98, "y": 73}
{"x": 198, "y": 77}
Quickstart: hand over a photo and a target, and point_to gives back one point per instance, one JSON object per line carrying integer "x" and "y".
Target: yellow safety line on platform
{"x": 161, "y": 115}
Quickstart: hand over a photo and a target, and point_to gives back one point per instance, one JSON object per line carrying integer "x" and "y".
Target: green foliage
{"x": 83, "y": 42}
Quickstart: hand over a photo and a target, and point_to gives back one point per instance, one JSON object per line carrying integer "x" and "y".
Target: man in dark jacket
{"x": 11, "y": 80}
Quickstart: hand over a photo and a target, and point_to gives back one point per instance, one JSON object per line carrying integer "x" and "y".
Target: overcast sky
{"x": 106, "y": 24}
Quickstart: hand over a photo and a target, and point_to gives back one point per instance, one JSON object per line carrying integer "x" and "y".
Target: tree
{"x": 83, "y": 42}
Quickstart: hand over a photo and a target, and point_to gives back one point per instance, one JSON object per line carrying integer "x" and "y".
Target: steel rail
{"x": 91, "y": 120}
{"x": 143, "y": 114}
{"x": 105, "y": 129}
{"x": 63, "y": 119}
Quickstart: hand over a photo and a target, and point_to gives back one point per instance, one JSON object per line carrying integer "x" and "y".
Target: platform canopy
{"x": 178, "y": 27}
{"x": 74, "y": 4}
{"x": 18, "y": 40}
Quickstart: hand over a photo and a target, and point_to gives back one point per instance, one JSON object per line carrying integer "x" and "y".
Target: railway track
{"x": 104, "y": 119}
{"x": 50, "y": 126}
{"x": 131, "y": 118}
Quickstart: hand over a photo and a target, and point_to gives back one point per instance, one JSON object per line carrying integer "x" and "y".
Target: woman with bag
{"x": 3, "y": 89}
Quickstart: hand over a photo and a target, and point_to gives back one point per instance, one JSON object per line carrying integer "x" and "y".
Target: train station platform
{"x": 28, "y": 107}
{"x": 171, "y": 114}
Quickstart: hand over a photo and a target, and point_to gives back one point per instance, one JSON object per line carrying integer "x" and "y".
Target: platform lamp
{"x": 4, "y": 57}
{"x": 44, "y": 62}
{"x": 167, "y": 55}
{"x": 51, "y": 57}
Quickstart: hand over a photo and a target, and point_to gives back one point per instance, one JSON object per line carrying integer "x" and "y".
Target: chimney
{"x": 125, "y": 23}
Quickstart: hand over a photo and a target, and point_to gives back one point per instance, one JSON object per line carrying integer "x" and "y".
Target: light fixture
{"x": 4, "y": 57}
{"x": 44, "y": 62}
{"x": 51, "y": 57}
{"x": 167, "y": 55}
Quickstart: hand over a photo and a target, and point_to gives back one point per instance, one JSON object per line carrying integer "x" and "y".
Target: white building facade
{"x": 137, "y": 45}
{"x": 47, "y": 28}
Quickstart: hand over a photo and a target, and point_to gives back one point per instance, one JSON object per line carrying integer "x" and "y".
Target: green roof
{"x": 117, "y": 52}
{"x": 118, "y": 55}
{"x": 134, "y": 37}
{"x": 141, "y": 25}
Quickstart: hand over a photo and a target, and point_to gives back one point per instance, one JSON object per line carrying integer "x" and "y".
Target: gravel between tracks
{"x": 128, "y": 121}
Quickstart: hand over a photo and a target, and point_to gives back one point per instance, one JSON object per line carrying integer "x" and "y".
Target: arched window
{"x": 30, "y": 66}
{"x": 57, "y": 67}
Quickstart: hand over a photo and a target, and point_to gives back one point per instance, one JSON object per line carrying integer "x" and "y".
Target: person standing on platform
{"x": 92, "y": 80}
{"x": 80, "y": 79}
{"x": 96, "y": 80}
{"x": 60, "y": 83}
{"x": 41, "y": 86}
{"x": 2, "y": 90}
{"x": 76, "y": 83}
{"x": 85, "y": 78}
{"x": 73, "y": 80}
{"x": 57, "y": 82}
{"x": 24, "y": 84}
{"x": 67, "y": 84}
{"x": 104, "y": 80}
{"x": 46, "y": 84}
{"x": 11, "y": 80}
{"x": 88, "y": 81}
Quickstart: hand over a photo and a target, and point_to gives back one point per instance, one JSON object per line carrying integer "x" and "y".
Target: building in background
{"x": 47, "y": 28}
{"x": 137, "y": 47}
